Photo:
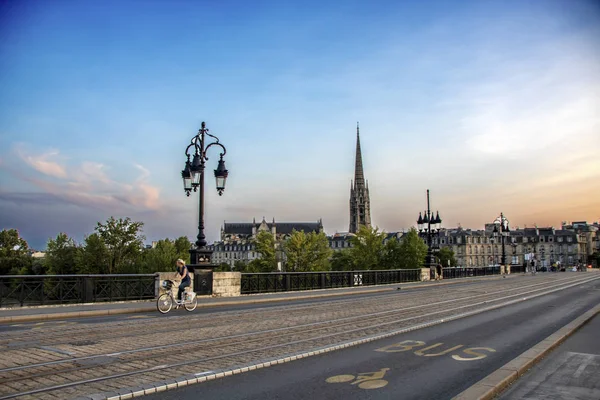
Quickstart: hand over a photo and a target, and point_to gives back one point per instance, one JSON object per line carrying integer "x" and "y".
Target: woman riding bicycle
{"x": 183, "y": 272}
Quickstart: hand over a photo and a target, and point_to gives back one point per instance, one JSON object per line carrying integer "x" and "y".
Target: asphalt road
{"x": 571, "y": 371}
{"x": 433, "y": 363}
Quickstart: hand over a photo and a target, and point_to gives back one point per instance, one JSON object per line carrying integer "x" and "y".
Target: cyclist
{"x": 183, "y": 272}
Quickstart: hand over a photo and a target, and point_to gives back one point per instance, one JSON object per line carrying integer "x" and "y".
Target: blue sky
{"x": 492, "y": 105}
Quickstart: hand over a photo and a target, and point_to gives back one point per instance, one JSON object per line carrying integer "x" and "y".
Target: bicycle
{"x": 165, "y": 301}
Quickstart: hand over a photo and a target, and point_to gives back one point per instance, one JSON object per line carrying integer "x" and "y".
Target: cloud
{"x": 43, "y": 164}
{"x": 87, "y": 184}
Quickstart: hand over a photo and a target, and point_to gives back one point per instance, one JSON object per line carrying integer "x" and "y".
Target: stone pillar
{"x": 227, "y": 284}
{"x": 425, "y": 274}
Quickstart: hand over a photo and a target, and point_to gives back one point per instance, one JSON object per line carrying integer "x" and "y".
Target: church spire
{"x": 360, "y": 205}
{"x": 359, "y": 178}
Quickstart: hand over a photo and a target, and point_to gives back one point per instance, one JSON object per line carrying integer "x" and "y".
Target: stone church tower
{"x": 360, "y": 205}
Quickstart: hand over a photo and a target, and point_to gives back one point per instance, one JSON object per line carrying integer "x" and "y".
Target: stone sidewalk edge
{"x": 246, "y": 300}
{"x": 493, "y": 384}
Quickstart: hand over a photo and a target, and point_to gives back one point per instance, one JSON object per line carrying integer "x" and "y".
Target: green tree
{"x": 124, "y": 242}
{"x": 14, "y": 257}
{"x": 412, "y": 249}
{"x": 265, "y": 247}
{"x": 446, "y": 257}
{"x": 182, "y": 247}
{"x": 367, "y": 251}
{"x": 393, "y": 257}
{"x": 93, "y": 256}
{"x": 62, "y": 255}
{"x": 11, "y": 244}
{"x": 342, "y": 260}
{"x": 307, "y": 252}
{"x": 161, "y": 258}
{"x": 240, "y": 265}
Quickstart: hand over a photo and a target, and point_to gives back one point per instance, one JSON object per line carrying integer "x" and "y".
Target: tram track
{"x": 234, "y": 349}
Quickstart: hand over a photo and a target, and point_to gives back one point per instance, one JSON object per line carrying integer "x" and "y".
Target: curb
{"x": 247, "y": 300}
{"x": 493, "y": 384}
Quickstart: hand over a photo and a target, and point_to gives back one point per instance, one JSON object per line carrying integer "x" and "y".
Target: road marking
{"x": 409, "y": 345}
{"x": 340, "y": 379}
{"x": 364, "y": 380}
{"x": 587, "y": 360}
{"x": 420, "y": 352}
{"x": 470, "y": 351}
{"x": 402, "y": 346}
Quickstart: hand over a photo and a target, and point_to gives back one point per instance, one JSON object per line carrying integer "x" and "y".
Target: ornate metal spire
{"x": 359, "y": 178}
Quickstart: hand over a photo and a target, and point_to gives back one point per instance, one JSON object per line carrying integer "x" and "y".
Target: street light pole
{"x": 504, "y": 232}
{"x": 193, "y": 179}
{"x": 427, "y": 225}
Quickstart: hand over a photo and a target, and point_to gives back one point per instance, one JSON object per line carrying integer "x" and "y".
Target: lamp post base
{"x": 201, "y": 256}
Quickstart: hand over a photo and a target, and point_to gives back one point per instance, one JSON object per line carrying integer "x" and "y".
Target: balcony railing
{"x": 30, "y": 290}
{"x": 293, "y": 281}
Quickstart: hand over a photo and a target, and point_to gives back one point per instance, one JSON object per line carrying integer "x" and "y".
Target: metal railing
{"x": 452, "y": 273}
{"x": 32, "y": 290}
{"x": 517, "y": 268}
{"x": 269, "y": 282}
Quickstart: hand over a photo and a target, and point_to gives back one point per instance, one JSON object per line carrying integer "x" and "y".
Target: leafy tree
{"x": 342, "y": 261}
{"x": 367, "y": 249}
{"x": 240, "y": 265}
{"x": 161, "y": 257}
{"x": 124, "y": 242}
{"x": 446, "y": 257}
{"x": 62, "y": 255}
{"x": 14, "y": 258}
{"x": 11, "y": 244}
{"x": 307, "y": 252}
{"x": 412, "y": 249}
{"x": 265, "y": 247}
{"x": 182, "y": 248}
{"x": 393, "y": 257}
{"x": 93, "y": 256}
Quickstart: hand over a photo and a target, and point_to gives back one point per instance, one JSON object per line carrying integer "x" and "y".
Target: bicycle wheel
{"x": 164, "y": 303}
{"x": 191, "y": 304}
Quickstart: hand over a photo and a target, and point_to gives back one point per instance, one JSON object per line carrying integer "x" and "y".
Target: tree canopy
{"x": 306, "y": 252}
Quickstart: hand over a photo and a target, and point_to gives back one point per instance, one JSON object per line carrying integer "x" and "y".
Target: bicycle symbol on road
{"x": 365, "y": 380}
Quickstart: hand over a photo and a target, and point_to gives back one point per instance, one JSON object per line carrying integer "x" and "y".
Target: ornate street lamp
{"x": 504, "y": 232}
{"x": 428, "y": 225}
{"x": 193, "y": 179}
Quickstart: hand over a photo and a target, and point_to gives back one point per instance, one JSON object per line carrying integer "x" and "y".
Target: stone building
{"x": 237, "y": 239}
{"x": 547, "y": 246}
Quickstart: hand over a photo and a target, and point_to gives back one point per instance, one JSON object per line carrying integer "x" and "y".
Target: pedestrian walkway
{"x": 24, "y": 314}
{"x": 569, "y": 372}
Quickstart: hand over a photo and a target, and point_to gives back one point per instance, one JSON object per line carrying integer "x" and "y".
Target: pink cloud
{"x": 43, "y": 164}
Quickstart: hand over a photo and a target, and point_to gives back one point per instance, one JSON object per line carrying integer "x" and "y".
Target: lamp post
{"x": 193, "y": 179}
{"x": 428, "y": 224}
{"x": 504, "y": 232}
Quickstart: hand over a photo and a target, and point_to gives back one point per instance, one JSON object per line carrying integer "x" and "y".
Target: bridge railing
{"x": 452, "y": 273}
{"x": 516, "y": 268}
{"x": 32, "y": 290}
{"x": 269, "y": 282}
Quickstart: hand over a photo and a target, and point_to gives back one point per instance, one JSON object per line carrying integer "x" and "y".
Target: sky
{"x": 492, "y": 105}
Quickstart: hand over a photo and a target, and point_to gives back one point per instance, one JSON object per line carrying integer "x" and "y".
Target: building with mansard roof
{"x": 245, "y": 231}
{"x": 546, "y": 246}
